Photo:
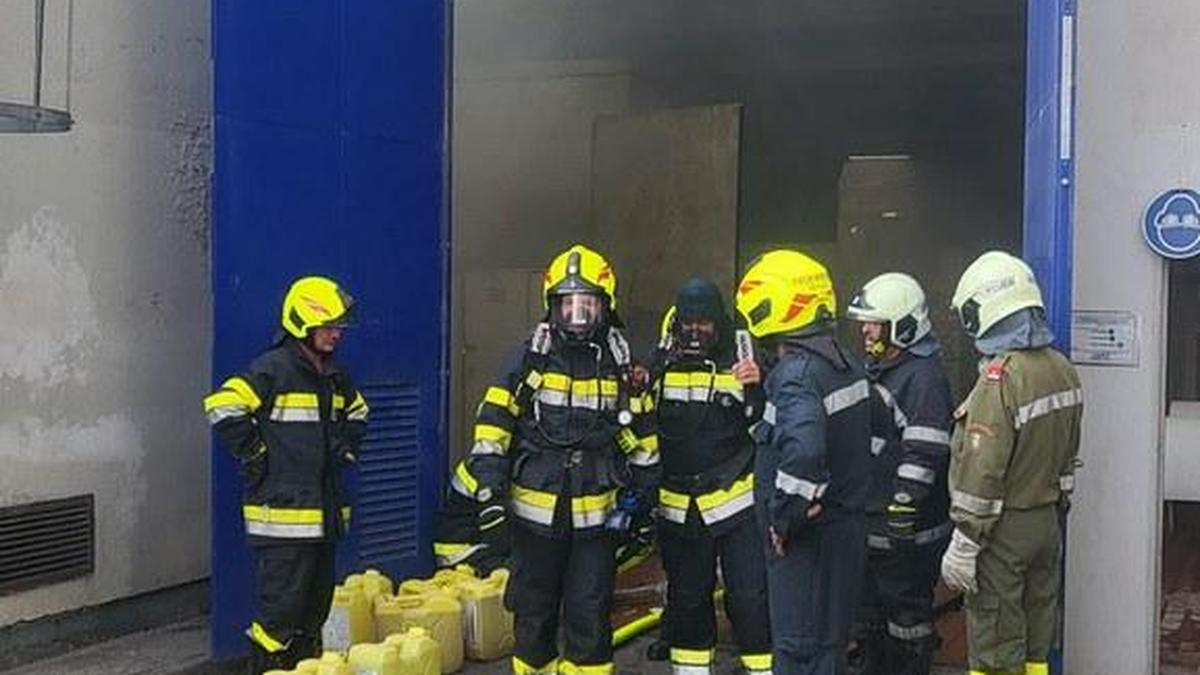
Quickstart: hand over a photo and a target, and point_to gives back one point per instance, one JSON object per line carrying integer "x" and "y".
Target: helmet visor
{"x": 577, "y": 313}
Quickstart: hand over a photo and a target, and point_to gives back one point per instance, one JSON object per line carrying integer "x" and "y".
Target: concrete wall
{"x": 1136, "y": 136}
{"x": 104, "y": 285}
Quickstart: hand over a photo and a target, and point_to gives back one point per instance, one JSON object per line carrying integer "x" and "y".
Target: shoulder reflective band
{"x": 799, "y": 486}
{"x": 847, "y": 397}
{"x": 1048, "y": 404}
{"x": 898, "y": 416}
{"x": 976, "y": 505}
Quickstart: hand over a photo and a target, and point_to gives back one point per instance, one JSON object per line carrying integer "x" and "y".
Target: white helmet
{"x": 897, "y": 300}
{"x": 995, "y": 286}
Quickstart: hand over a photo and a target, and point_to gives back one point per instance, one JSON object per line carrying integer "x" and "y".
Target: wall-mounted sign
{"x": 1104, "y": 338}
{"x": 1172, "y": 224}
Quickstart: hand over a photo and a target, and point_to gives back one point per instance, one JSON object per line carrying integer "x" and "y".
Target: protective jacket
{"x": 911, "y": 420}
{"x": 814, "y": 438}
{"x": 292, "y": 429}
{"x": 1016, "y": 439}
{"x": 704, "y": 415}
{"x": 550, "y": 429}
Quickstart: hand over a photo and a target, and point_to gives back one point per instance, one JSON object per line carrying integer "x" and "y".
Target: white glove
{"x": 958, "y": 565}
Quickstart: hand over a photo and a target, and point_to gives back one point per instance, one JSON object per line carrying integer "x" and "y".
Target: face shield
{"x": 577, "y": 314}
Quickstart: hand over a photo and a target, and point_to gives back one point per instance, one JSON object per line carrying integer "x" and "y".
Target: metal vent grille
{"x": 385, "y": 515}
{"x": 46, "y": 542}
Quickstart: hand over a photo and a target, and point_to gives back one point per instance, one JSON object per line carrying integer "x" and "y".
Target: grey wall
{"x": 1136, "y": 135}
{"x": 104, "y": 288}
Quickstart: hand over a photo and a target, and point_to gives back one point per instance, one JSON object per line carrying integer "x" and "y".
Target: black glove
{"x": 253, "y": 467}
{"x": 789, "y": 514}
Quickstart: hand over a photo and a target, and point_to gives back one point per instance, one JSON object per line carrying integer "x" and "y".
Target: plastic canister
{"x": 420, "y": 654}
{"x": 376, "y": 583}
{"x": 350, "y": 621}
{"x": 389, "y": 616}
{"x": 425, "y": 587}
{"x": 487, "y": 625}
{"x": 375, "y": 659}
{"x": 439, "y": 614}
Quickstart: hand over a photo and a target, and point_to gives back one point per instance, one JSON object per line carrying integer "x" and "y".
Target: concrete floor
{"x": 182, "y": 649}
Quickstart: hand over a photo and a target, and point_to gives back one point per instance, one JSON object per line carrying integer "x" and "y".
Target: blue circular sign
{"x": 1172, "y": 224}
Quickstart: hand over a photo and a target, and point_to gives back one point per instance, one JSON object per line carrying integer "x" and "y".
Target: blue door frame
{"x": 1050, "y": 178}
{"x": 330, "y": 158}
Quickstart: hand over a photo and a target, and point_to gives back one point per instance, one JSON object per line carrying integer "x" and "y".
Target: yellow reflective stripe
{"x": 283, "y": 516}
{"x": 243, "y": 389}
{"x": 521, "y": 668}
{"x": 568, "y": 668}
{"x": 339, "y": 401}
{"x": 499, "y": 396}
{"x": 676, "y": 380}
{"x": 674, "y": 500}
{"x": 544, "y": 500}
{"x": 556, "y": 381}
{"x": 490, "y": 432}
{"x": 533, "y": 505}
{"x": 448, "y": 555}
{"x": 224, "y": 398}
{"x": 296, "y": 399}
{"x": 346, "y": 513}
{"x": 261, "y": 637}
{"x": 649, "y": 443}
{"x": 1037, "y": 668}
{"x": 594, "y": 502}
{"x": 719, "y": 497}
{"x": 468, "y": 483}
{"x": 691, "y": 657}
{"x": 756, "y": 662}
{"x": 358, "y": 409}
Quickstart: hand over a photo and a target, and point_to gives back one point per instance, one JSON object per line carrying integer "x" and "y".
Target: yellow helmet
{"x": 313, "y": 302}
{"x": 785, "y": 291}
{"x": 579, "y": 269}
{"x": 995, "y": 286}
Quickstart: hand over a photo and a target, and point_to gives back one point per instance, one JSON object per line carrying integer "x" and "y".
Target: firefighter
{"x": 293, "y": 420}
{"x": 705, "y": 395}
{"x": 568, "y": 451}
{"x": 1012, "y": 468}
{"x": 811, "y": 473}
{"x": 469, "y": 533}
{"x": 908, "y": 523}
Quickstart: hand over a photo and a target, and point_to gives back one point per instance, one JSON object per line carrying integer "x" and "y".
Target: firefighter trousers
{"x": 894, "y": 630}
{"x": 571, "y": 577}
{"x": 1011, "y": 620}
{"x": 814, "y": 594}
{"x": 691, "y": 566}
{"x": 293, "y": 584}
